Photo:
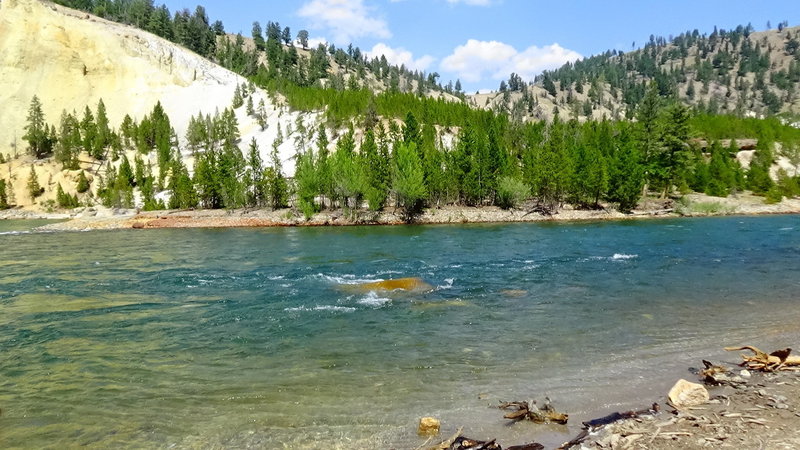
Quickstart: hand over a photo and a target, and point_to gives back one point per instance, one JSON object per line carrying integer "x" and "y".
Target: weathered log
{"x": 531, "y": 446}
{"x": 445, "y": 444}
{"x": 517, "y": 415}
{"x": 616, "y": 416}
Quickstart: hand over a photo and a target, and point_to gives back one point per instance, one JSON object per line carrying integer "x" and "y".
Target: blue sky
{"x": 481, "y": 42}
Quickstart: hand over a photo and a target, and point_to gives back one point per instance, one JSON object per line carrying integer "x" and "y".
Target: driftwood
{"x": 445, "y": 444}
{"x": 777, "y": 360}
{"x": 595, "y": 424}
{"x": 525, "y": 410}
{"x": 718, "y": 375}
{"x": 458, "y": 442}
{"x": 614, "y": 417}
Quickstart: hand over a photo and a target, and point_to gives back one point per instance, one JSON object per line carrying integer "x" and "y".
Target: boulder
{"x": 686, "y": 393}
{"x": 428, "y": 426}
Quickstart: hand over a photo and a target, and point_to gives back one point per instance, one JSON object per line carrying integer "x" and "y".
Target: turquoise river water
{"x": 250, "y": 337}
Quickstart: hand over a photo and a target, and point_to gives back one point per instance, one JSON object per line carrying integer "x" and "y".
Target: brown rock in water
{"x": 428, "y": 426}
{"x": 138, "y": 225}
{"x": 405, "y": 284}
{"x": 686, "y": 393}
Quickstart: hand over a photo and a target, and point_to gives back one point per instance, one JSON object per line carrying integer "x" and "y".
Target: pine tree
{"x": 249, "y": 108}
{"x": 255, "y": 185}
{"x": 306, "y": 184}
{"x": 102, "y": 137}
{"x": 261, "y": 115}
{"x": 372, "y": 161}
{"x": 238, "y": 100}
{"x": 183, "y": 192}
{"x": 258, "y": 36}
{"x": 3, "y": 195}
{"x": 83, "y": 183}
{"x": 408, "y": 183}
{"x": 590, "y": 178}
{"x": 69, "y": 142}
{"x": 649, "y": 125}
{"x": 65, "y": 200}
{"x": 88, "y": 131}
{"x": 302, "y": 37}
{"x": 34, "y": 189}
{"x": 626, "y": 174}
{"x": 125, "y": 176}
{"x": 721, "y": 175}
{"x": 349, "y": 179}
{"x": 37, "y": 131}
{"x": 323, "y": 176}
{"x": 277, "y": 188}
{"x": 674, "y": 157}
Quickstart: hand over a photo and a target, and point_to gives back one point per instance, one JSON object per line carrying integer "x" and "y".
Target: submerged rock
{"x": 685, "y": 394}
{"x": 428, "y": 426}
{"x": 405, "y": 284}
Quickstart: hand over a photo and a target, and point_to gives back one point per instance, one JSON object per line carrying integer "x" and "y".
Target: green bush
{"x": 773, "y": 195}
{"x": 511, "y": 192}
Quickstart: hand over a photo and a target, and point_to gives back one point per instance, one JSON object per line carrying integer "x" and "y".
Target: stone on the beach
{"x": 686, "y": 393}
{"x": 428, "y": 426}
{"x": 744, "y": 373}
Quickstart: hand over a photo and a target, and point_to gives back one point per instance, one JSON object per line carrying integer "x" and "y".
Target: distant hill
{"x": 738, "y": 72}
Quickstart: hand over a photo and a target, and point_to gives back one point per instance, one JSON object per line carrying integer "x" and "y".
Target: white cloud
{"x": 477, "y": 60}
{"x": 345, "y": 19}
{"x": 400, "y": 56}
{"x": 471, "y": 60}
{"x": 315, "y": 41}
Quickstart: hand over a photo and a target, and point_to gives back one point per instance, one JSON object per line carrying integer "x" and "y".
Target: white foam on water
{"x": 448, "y": 284}
{"x": 372, "y": 299}
{"x": 345, "y": 279}
{"x": 389, "y": 272}
{"x": 321, "y": 308}
{"x": 275, "y": 277}
{"x": 786, "y": 229}
{"x": 622, "y": 256}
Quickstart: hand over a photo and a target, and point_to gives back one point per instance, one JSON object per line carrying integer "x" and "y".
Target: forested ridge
{"x": 391, "y": 137}
{"x": 740, "y": 72}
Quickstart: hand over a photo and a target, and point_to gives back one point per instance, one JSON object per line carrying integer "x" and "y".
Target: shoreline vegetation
{"x": 100, "y": 218}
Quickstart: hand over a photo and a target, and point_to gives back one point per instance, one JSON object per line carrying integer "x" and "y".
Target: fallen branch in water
{"x": 526, "y": 410}
{"x": 777, "y": 360}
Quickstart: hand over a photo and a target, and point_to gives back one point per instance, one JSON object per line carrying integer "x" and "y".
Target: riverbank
{"x": 760, "y": 412}
{"x": 743, "y": 409}
{"x": 692, "y": 205}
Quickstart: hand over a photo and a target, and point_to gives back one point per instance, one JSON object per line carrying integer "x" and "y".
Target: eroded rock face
{"x": 685, "y": 394}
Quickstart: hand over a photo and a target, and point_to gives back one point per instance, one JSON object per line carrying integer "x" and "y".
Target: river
{"x": 252, "y": 338}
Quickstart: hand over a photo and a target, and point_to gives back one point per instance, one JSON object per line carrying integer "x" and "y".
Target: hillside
{"x": 72, "y": 60}
{"x": 738, "y": 71}
{"x": 103, "y": 113}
